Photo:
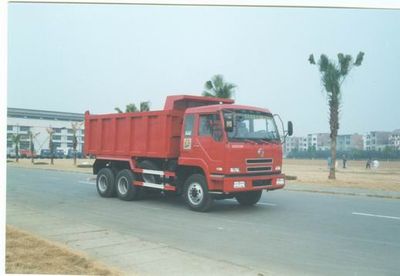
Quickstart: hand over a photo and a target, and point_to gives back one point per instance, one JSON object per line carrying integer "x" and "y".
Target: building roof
{"x": 43, "y": 114}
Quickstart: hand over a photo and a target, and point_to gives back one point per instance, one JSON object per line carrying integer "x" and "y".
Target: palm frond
{"x": 311, "y": 59}
{"x": 208, "y": 85}
{"x": 359, "y": 59}
{"x": 323, "y": 63}
{"x": 131, "y": 108}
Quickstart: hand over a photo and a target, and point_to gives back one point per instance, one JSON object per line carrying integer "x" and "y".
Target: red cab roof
{"x": 182, "y": 102}
{"x": 218, "y": 107}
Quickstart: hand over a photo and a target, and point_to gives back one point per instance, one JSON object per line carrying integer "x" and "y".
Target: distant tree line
{"x": 387, "y": 153}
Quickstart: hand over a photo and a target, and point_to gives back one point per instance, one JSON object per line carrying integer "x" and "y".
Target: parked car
{"x": 11, "y": 153}
{"x": 59, "y": 154}
{"x": 25, "y": 153}
{"x": 45, "y": 153}
{"x": 71, "y": 154}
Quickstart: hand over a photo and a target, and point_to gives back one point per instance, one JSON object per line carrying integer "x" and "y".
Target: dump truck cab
{"x": 239, "y": 147}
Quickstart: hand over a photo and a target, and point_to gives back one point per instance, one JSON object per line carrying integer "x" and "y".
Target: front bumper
{"x": 242, "y": 183}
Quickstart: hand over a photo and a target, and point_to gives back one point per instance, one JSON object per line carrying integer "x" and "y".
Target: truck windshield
{"x": 252, "y": 125}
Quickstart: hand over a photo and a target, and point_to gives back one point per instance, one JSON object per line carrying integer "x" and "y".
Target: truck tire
{"x": 105, "y": 182}
{"x": 125, "y": 188}
{"x": 248, "y": 198}
{"x": 196, "y": 193}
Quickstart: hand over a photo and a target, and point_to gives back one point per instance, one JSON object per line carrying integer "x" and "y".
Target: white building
{"x": 394, "y": 139}
{"x": 318, "y": 141}
{"x": 21, "y": 121}
{"x": 376, "y": 140}
{"x": 346, "y": 142}
{"x": 292, "y": 144}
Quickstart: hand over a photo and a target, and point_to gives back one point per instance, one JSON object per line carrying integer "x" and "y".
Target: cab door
{"x": 204, "y": 140}
{"x": 210, "y": 140}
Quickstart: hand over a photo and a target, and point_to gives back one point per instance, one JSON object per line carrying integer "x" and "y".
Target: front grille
{"x": 259, "y": 161}
{"x": 263, "y": 182}
{"x": 259, "y": 169}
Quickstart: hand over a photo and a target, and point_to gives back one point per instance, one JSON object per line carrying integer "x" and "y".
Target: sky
{"x": 73, "y": 58}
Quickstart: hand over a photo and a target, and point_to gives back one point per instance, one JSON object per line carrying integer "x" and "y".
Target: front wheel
{"x": 196, "y": 193}
{"x": 248, "y": 198}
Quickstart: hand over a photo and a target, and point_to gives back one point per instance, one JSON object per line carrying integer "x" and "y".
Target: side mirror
{"x": 228, "y": 118}
{"x": 290, "y": 128}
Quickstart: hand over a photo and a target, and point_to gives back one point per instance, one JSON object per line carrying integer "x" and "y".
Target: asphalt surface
{"x": 288, "y": 232}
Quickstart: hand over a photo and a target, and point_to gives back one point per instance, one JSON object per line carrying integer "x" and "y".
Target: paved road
{"x": 286, "y": 233}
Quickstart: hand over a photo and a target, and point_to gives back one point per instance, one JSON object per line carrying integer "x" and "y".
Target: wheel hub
{"x": 103, "y": 183}
{"x": 123, "y": 185}
{"x": 195, "y": 193}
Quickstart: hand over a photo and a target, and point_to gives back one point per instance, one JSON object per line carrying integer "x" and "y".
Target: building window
{"x": 24, "y": 128}
{"x": 9, "y": 127}
{"x": 9, "y": 144}
{"x": 56, "y": 145}
{"x": 70, "y": 131}
{"x": 69, "y": 145}
{"x": 56, "y": 137}
{"x": 24, "y": 145}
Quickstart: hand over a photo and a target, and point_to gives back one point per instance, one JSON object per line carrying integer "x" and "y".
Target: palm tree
{"x": 144, "y": 106}
{"x": 32, "y": 136}
{"x": 16, "y": 138}
{"x": 50, "y": 131}
{"x": 332, "y": 76}
{"x": 75, "y": 126}
{"x": 217, "y": 87}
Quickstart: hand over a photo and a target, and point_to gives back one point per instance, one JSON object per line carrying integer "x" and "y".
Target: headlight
{"x": 235, "y": 170}
{"x": 280, "y": 181}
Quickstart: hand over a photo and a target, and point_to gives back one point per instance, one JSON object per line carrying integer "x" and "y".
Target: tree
{"x": 144, "y": 106}
{"x": 32, "y": 136}
{"x": 217, "y": 87}
{"x": 16, "y": 138}
{"x": 50, "y": 131}
{"x": 75, "y": 126}
{"x": 332, "y": 76}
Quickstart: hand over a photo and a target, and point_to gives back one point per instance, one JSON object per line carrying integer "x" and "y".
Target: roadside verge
{"x": 315, "y": 188}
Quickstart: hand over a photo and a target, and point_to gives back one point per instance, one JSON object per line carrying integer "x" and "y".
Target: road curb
{"x": 342, "y": 193}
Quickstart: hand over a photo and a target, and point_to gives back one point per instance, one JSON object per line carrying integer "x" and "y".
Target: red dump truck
{"x": 202, "y": 147}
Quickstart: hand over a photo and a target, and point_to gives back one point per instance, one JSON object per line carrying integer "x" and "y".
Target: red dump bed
{"x": 140, "y": 134}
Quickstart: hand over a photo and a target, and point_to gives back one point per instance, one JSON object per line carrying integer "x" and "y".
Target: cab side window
{"x": 189, "y": 125}
{"x": 210, "y": 125}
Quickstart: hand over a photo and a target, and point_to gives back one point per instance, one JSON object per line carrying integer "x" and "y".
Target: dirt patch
{"x": 385, "y": 178}
{"x": 27, "y": 254}
{"x": 82, "y": 165}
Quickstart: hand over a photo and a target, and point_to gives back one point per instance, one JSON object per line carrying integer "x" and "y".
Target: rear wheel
{"x": 105, "y": 182}
{"x": 125, "y": 188}
{"x": 248, "y": 198}
{"x": 196, "y": 193}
